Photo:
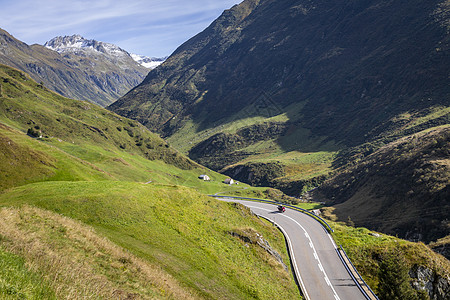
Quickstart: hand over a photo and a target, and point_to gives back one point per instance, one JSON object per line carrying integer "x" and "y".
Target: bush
{"x": 33, "y": 132}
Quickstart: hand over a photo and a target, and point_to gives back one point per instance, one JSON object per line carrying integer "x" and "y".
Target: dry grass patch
{"x": 80, "y": 264}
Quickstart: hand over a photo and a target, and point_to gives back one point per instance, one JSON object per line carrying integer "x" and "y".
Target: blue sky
{"x": 147, "y": 27}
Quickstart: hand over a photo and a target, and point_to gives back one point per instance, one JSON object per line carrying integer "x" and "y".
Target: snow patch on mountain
{"x": 148, "y": 62}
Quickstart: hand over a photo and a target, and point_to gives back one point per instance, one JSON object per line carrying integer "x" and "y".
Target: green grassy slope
{"x": 113, "y": 175}
{"x": 26, "y": 160}
{"x": 70, "y": 132}
{"x": 48, "y": 256}
{"x": 188, "y": 235}
{"x": 391, "y": 266}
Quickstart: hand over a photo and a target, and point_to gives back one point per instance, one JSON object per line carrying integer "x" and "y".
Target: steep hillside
{"x": 273, "y": 81}
{"x": 402, "y": 189}
{"x": 94, "y": 174}
{"x": 69, "y": 134}
{"x": 95, "y": 76}
{"x": 163, "y": 242}
{"x": 352, "y": 66}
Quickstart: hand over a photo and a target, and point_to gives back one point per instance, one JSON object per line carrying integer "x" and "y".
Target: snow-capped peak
{"x": 76, "y": 43}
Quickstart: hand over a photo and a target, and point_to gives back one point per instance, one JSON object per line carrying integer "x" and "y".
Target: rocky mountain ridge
{"x": 79, "y": 45}
{"x": 76, "y": 42}
{"x": 100, "y": 77}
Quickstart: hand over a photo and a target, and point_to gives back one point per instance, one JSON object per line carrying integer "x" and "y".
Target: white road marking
{"x": 332, "y": 241}
{"x": 327, "y": 280}
{"x": 315, "y": 253}
{"x": 305, "y": 293}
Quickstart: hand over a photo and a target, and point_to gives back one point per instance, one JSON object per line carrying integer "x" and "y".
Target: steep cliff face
{"x": 93, "y": 75}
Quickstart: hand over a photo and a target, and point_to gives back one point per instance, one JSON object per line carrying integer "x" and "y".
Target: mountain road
{"x": 318, "y": 268}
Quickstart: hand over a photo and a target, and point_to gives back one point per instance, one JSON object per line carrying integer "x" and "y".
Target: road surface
{"x": 320, "y": 272}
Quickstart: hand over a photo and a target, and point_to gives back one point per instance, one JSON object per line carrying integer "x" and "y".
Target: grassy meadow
{"x": 186, "y": 234}
{"x": 93, "y": 205}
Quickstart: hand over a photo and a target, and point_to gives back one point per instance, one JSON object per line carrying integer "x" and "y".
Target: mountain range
{"x": 76, "y": 67}
{"x": 342, "y": 103}
{"x": 291, "y": 93}
{"x": 78, "y": 45}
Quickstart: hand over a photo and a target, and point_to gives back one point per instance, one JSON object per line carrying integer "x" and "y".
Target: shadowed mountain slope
{"x": 291, "y": 90}
{"x": 353, "y": 65}
{"x": 403, "y": 188}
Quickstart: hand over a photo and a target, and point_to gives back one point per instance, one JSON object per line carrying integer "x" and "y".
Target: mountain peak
{"x": 78, "y": 44}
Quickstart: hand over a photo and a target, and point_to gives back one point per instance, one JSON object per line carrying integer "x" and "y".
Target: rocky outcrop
{"x": 249, "y": 236}
{"x": 425, "y": 279}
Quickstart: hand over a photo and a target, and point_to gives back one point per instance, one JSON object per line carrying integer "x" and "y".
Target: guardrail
{"x": 369, "y": 294}
{"x": 322, "y": 221}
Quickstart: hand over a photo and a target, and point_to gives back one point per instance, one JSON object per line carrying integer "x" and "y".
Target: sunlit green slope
{"x": 73, "y": 174}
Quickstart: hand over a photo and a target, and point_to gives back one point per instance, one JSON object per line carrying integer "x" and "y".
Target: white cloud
{"x": 155, "y": 25}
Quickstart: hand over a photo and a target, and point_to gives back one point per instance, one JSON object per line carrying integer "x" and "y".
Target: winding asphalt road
{"x": 319, "y": 270}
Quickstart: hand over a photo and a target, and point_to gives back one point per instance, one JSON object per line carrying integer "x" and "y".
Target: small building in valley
{"x": 228, "y": 181}
{"x": 204, "y": 177}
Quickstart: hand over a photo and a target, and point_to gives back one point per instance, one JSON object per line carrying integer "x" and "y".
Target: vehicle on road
{"x": 281, "y": 208}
